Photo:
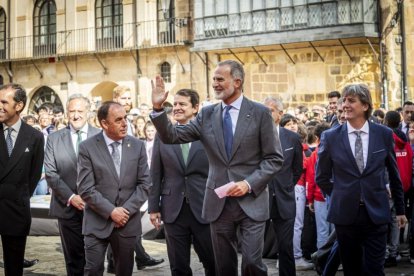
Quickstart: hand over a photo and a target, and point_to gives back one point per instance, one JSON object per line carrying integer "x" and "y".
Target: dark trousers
{"x": 309, "y": 234}
{"x": 224, "y": 237}
{"x": 362, "y": 246}
{"x": 72, "y": 244}
{"x": 284, "y": 236}
{"x": 333, "y": 261}
{"x": 140, "y": 255}
{"x": 122, "y": 249}
{"x": 13, "y": 254}
{"x": 179, "y": 236}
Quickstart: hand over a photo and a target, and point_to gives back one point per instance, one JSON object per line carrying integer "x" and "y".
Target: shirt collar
{"x": 236, "y": 104}
{"x": 108, "y": 140}
{"x": 364, "y": 128}
{"x": 84, "y": 129}
{"x": 16, "y": 126}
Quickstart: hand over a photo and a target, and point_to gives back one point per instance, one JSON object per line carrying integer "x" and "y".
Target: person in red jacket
{"x": 404, "y": 155}
{"x": 316, "y": 199}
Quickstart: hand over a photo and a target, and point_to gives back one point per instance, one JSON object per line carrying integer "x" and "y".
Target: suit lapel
{"x": 68, "y": 145}
{"x": 126, "y": 151}
{"x": 348, "y": 150}
{"x": 103, "y": 151}
{"x": 371, "y": 143}
{"x": 19, "y": 147}
{"x": 217, "y": 124}
{"x": 179, "y": 153}
{"x": 3, "y": 148}
{"x": 243, "y": 122}
{"x": 193, "y": 149}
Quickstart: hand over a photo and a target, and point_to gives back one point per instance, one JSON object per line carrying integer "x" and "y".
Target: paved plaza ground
{"x": 47, "y": 249}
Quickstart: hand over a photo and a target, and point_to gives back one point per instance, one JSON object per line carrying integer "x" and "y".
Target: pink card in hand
{"x": 222, "y": 190}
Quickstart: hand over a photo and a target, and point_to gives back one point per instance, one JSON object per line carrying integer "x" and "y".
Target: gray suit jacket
{"x": 256, "y": 154}
{"x": 102, "y": 189}
{"x": 173, "y": 181}
{"x": 61, "y": 172}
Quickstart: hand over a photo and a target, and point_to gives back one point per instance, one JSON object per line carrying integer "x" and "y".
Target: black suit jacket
{"x": 61, "y": 171}
{"x": 19, "y": 175}
{"x": 173, "y": 181}
{"x": 282, "y": 186}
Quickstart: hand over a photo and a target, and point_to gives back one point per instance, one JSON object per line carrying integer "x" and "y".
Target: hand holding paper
{"x": 222, "y": 190}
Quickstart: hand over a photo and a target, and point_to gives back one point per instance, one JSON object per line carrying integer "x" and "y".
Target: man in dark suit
{"x": 113, "y": 180}
{"x": 21, "y": 160}
{"x": 122, "y": 95}
{"x": 407, "y": 112}
{"x": 352, "y": 162}
{"x": 61, "y": 172}
{"x": 282, "y": 189}
{"x": 244, "y": 152}
{"x": 179, "y": 174}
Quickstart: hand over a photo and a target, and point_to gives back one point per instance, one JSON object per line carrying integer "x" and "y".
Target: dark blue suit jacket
{"x": 337, "y": 175}
{"x": 282, "y": 186}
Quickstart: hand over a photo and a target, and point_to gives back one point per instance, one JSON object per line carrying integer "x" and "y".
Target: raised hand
{"x": 159, "y": 95}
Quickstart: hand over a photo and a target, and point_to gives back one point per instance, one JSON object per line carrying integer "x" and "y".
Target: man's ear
{"x": 19, "y": 107}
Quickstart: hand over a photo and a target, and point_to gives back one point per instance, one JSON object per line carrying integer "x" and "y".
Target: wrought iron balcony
{"x": 139, "y": 35}
{"x": 287, "y": 18}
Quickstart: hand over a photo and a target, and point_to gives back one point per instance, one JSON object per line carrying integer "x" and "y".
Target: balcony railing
{"x": 281, "y": 19}
{"x": 147, "y": 34}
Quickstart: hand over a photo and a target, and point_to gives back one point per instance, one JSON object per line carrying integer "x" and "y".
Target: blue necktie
{"x": 227, "y": 131}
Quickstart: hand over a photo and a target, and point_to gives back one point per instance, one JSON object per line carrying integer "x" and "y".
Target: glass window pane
{"x": 221, "y": 6}
{"x": 208, "y": 7}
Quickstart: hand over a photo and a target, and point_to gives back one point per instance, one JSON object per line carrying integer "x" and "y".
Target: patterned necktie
{"x": 185, "y": 149}
{"x": 9, "y": 141}
{"x": 116, "y": 157}
{"x": 227, "y": 130}
{"x": 359, "y": 155}
{"x": 79, "y": 140}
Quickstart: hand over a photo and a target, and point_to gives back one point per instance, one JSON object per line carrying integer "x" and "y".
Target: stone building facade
{"x": 297, "y": 50}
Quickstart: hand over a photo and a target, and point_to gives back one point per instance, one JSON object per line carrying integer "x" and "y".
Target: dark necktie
{"x": 9, "y": 141}
{"x": 227, "y": 131}
{"x": 116, "y": 157}
{"x": 185, "y": 149}
{"x": 359, "y": 155}
{"x": 79, "y": 140}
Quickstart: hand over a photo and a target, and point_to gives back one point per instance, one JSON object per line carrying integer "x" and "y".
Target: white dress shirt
{"x": 234, "y": 111}
{"x": 364, "y": 137}
{"x": 15, "y": 132}
{"x": 109, "y": 141}
{"x": 74, "y": 135}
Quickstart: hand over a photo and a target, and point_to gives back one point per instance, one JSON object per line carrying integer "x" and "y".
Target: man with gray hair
{"x": 282, "y": 193}
{"x": 244, "y": 154}
{"x": 352, "y": 161}
{"x": 61, "y": 171}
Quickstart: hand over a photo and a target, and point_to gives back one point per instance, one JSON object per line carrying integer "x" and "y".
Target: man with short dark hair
{"x": 61, "y": 172}
{"x": 333, "y": 98}
{"x": 113, "y": 180}
{"x": 407, "y": 111}
{"x": 181, "y": 170}
{"x": 21, "y": 160}
{"x": 352, "y": 160}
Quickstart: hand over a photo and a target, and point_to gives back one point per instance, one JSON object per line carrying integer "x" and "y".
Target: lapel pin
{"x": 128, "y": 145}
{"x": 248, "y": 116}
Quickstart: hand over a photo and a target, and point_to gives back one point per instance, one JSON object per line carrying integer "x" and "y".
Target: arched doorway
{"x": 102, "y": 92}
{"x": 43, "y": 95}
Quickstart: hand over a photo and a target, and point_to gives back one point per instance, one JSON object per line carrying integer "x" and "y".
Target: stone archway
{"x": 102, "y": 92}
{"x": 43, "y": 95}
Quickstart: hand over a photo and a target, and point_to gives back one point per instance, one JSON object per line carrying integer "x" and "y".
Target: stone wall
{"x": 310, "y": 79}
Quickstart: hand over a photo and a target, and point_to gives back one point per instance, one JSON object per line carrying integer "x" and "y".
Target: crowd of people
{"x": 333, "y": 183}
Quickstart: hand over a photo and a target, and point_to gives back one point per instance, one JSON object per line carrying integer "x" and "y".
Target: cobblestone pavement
{"x": 47, "y": 249}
